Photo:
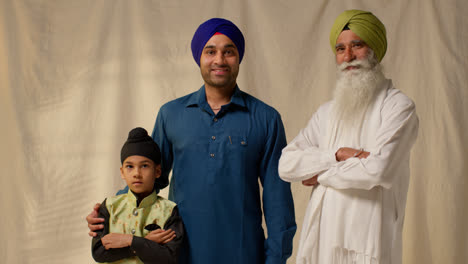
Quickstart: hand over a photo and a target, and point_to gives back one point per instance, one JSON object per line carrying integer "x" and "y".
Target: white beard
{"x": 356, "y": 89}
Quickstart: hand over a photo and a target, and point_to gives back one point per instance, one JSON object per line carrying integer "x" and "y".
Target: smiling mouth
{"x": 220, "y": 71}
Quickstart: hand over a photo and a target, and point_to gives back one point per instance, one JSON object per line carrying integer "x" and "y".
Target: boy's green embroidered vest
{"x": 127, "y": 218}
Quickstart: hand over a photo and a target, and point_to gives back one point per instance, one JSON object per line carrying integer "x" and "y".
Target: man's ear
{"x": 157, "y": 171}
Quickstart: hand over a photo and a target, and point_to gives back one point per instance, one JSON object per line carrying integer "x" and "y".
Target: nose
{"x": 219, "y": 58}
{"x": 349, "y": 55}
{"x": 136, "y": 173}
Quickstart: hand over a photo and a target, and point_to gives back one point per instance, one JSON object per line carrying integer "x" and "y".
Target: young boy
{"x": 132, "y": 216}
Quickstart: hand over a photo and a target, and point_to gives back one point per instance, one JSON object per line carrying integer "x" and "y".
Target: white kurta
{"x": 356, "y": 213}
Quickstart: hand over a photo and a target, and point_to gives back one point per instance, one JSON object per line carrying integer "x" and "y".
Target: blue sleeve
{"x": 278, "y": 203}
{"x": 160, "y": 137}
{"x": 123, "y": 191}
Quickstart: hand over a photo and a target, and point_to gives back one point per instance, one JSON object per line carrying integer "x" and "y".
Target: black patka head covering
{"x": 141, "y": 144}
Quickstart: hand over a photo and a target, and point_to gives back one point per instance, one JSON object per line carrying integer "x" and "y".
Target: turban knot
{"x": 364, "y": 24}
{"x": 206, "y": 30}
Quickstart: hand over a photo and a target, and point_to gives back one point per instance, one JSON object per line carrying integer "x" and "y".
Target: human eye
{"x": 230, "y": 52}
{"x": 128, "y": 166}
{"x": 358, "y": 45}
{"x": 210, "y": 51}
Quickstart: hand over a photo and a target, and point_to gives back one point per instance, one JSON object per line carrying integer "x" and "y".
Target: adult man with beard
{"x": 219, "y": 142}
{"x": 355, "y": 151}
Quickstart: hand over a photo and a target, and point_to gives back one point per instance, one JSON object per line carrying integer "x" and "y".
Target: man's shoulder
{"x": 178, "y": 102}
{"x": 176, "y": 106}
{"x": 395, "y": 96}
{"x": 325, "y": 106}
{"x": 323, "y": 109}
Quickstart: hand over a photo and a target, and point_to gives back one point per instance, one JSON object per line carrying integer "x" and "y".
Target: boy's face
{"x": 140, "y": 173}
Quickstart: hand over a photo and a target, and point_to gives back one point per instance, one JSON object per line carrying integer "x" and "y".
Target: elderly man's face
{"x": 350, "y": 47}
{"x": 219, "y": 62}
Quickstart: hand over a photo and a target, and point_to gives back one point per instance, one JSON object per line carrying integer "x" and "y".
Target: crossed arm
{"x": 159, "y": 246}
{"x": 341, "y": 155}
{"x": 343, "y": 168}
{"x": 96, "y": 224}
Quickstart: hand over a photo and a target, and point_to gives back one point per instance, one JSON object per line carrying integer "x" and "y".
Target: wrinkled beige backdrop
{"x": 76, "y": 76}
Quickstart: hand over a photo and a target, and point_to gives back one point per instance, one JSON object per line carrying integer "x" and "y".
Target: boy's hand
{"x": 161, "y": 236}
{"x": 114, "y": 240}
{"x": 93, "y": 221}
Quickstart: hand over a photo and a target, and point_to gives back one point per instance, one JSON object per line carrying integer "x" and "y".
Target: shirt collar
{"x": 147, "y": 201}
{"x": 199, "y": 98}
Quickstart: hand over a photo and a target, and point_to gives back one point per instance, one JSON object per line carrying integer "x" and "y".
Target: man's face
{"x": 140, "y": 173}
{"x": 358, "y": 82}
{"x": 350, "y": 47}
{"x": 219, "y": 62}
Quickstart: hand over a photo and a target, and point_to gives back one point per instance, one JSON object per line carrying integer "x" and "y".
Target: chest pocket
{"x": 235, "y": 142}
{"x": 236, "y": 151}
{"x": 231, "y": 162}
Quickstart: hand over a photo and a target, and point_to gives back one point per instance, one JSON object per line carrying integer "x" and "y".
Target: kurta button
{"x": 133, "y": 231}
{"x": 242, "y": 142}
{"x": 215, "y": 119}
{"x": 135, "y": 212}
{"x": 212, "y": 155}
{"x": 213, "y": 137}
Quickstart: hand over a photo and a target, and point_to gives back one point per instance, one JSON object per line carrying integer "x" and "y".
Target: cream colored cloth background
{"x": 76, "y": 76}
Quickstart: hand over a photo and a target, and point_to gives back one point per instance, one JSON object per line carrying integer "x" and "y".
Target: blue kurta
{"x": 216, "y": 162}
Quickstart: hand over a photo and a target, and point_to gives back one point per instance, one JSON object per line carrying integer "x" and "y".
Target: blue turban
{"x": 206, "y": 30}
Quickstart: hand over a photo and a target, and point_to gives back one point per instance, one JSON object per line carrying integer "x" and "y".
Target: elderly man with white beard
{"x": 355, "y": 152}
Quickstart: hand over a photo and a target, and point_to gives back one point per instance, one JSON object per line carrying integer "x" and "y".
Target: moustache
{"x": 365, "y": 64}
{"x": 220, "y": 66}
{"x": 358, "y": 64}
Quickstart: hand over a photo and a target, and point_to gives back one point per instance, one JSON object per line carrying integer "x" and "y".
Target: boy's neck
{"x": 140, "y": 196}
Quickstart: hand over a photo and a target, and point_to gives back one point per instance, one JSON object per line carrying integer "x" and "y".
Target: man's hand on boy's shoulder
{"x": 94, "y": 221}
{"x": 114, "y": 240}
{"x": 161, "y": 236}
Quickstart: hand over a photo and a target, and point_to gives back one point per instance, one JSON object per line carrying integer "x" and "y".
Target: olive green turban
{"x": 364, "y": 24}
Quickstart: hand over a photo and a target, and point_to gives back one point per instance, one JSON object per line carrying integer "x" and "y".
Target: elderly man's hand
{"x": 94, "y": 221}
{"x": 311, "y": 182}
{"x": 345, "y": 153}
